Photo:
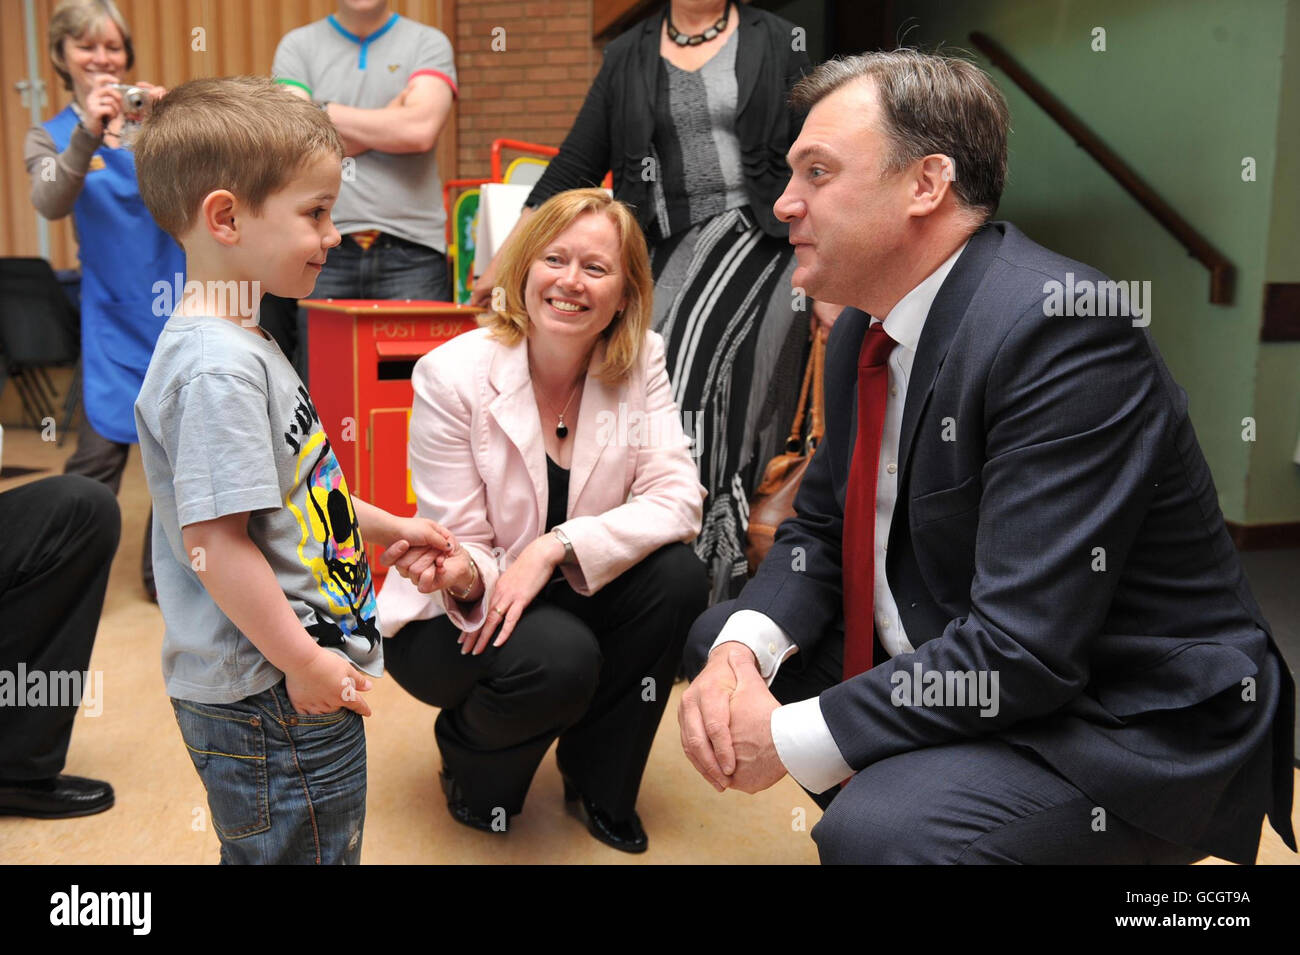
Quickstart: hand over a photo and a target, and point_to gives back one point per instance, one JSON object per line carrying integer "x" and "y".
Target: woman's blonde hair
{"x": 509, "y": 320}
{"x": 73, "y": 18}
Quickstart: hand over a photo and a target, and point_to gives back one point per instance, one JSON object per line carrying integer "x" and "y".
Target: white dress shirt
{"x": 799, "y": 730}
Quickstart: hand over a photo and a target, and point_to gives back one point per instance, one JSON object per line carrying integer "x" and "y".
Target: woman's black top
{"x": 557, "y": 497}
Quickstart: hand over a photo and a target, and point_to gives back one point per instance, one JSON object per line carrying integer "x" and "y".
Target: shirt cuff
{"x": 762, "y": 635}
{"x": 806, "y": 747}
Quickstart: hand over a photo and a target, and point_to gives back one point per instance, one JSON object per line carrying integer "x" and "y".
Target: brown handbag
{"x": 773, "y": 501}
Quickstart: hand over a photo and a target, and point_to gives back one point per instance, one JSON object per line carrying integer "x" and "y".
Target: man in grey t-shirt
{"x": 387, "y": 83}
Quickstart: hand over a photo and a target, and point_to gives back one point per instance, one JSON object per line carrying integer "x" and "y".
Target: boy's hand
{"x": 428, "y": 568}
{"x": 422, "y": 532}
{"x": 384, "y": 529}
{"x": 418, "y": 543}
{"x": 326, "y": 683}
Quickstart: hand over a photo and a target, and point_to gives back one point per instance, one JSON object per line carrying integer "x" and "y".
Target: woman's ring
{"x": 498, "y": 611}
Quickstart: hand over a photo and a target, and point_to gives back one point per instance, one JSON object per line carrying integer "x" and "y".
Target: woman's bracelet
{"x": 473, "y": 582}
{"x": 569, "y": 556}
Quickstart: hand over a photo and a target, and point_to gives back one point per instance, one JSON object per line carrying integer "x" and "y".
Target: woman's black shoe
{"x": 459, "y": 810}
{"x": 627, "y": 836}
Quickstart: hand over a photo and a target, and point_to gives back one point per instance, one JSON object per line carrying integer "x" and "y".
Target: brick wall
{"x": 532, "y": 89}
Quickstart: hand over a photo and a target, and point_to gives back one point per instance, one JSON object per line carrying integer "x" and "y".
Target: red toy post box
{"x": 360, "y": 355}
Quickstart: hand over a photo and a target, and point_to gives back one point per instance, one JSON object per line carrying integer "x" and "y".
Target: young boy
{"x": 262, "y": 575}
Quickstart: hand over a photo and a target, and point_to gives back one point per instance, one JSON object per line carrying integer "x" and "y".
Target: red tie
{"x": 859, "y": 553}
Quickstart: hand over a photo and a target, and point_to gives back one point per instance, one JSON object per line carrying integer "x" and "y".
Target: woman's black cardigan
{"x": 615, "y": 126}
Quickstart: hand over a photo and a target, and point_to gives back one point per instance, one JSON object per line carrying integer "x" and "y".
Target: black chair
{"x": 39, "y": 327}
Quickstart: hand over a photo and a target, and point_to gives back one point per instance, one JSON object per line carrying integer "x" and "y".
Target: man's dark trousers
{"x": 968, "y": 803}
{"x": 60, "y": 536}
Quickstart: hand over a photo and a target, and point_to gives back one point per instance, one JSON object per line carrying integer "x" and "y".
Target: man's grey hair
{"x": 929, "y": 103}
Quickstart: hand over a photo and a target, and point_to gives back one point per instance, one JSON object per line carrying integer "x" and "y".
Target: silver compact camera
{"x": 134, "y": 99}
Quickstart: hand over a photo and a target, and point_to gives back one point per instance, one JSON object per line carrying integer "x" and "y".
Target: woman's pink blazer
{"x": 478, "y": 467}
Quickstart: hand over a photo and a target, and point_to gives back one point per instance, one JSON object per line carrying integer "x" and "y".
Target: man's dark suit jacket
{"x": 1028, "y": 442}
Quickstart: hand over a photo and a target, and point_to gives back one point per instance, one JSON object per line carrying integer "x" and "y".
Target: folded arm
{"x": 411, "y": 123}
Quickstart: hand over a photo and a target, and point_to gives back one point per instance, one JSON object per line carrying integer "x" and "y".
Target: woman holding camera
{"x": 79, "y": 164}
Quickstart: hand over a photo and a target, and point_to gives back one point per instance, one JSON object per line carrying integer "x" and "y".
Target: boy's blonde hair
{"x": 626, "y": 332}
{"x": 245, "y": 134}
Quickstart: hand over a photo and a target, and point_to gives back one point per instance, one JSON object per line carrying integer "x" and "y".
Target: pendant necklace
{"x": 561, "y": 429}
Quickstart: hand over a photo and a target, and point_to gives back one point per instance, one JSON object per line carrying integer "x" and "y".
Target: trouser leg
{"x": 97, "y": 457}
{"x": 502, "y": 709}
{"x": 641, "y": 620}
{"x": 283, "y": 787}
{"x": 978, "y": 801}
{"x": 60, "y": 535}
{"x": 104, "y": 461}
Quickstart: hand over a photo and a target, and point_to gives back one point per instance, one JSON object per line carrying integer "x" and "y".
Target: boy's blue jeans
{"x": 282, "y": 787}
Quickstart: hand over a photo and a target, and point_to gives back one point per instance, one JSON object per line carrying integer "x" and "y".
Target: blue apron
{"x": 123, "y": 253}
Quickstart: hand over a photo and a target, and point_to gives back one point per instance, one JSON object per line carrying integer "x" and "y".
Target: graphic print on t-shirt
{"x": 330, "y": 547}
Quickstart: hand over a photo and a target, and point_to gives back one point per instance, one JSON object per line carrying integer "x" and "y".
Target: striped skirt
{"x": 736, "y": 348}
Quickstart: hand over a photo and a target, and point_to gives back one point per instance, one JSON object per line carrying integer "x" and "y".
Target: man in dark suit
{"x": 1009, "y": 515}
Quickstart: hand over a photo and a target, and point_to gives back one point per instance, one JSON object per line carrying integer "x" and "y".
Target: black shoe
{"x": 59, "y": 798}
{"x": 459, "y": 810}
{"x": 626, "y": 836}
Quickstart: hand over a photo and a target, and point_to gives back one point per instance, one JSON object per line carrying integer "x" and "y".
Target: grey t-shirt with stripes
{"x": 397, "y": 193}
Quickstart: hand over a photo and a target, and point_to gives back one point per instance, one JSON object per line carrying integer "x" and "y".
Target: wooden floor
{"x": 160, "y": 812}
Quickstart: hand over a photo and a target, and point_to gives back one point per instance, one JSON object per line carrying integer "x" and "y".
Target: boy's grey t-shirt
{"x": 226, "y": 426}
